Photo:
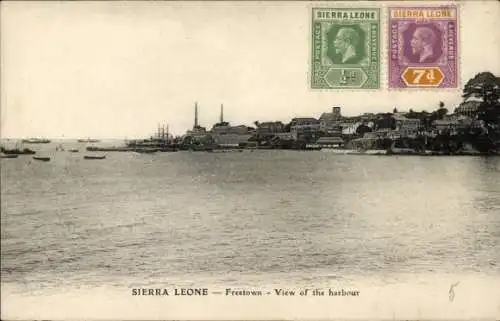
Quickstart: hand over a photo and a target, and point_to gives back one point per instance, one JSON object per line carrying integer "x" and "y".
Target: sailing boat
{"x": 160, "y": 142}
{"x": 17, "y": 151}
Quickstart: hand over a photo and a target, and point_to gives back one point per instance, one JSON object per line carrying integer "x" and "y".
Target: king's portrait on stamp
{"x": 423, "y": 47}
{"x": 348, "y": 46}
{"x": 345, "y": 51}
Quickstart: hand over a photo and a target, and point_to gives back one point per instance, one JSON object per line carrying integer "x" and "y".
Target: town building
{"x": 452, "y": 123}
{"x": 223, "y": 134}
{"x": 269, "y": 128}
{"x": 349, "y": 128}
{"x": 225, "y": 128}
{"x": 407, "y": 127}
{"x": 286, "y": 136}
{"x": 468, "y": 108}
{"x": 369, "y": 117}
{"x": 331, "y": 123}
{"x": 330, "y": 142}
{"x": 304, "y": 125}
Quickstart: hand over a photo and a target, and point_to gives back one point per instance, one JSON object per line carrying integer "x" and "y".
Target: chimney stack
{"x": 195, "y": 114}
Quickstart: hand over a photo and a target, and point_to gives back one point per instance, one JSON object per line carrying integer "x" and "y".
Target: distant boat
{"x": 88, "y": 140}
{"x": 17, "y": 151}
{"x": 338, "y": 151}
{"x": 168, "y": 149}
{"x": 73, "y": 150}
{"x": 393, "y": 150}
{"x": 94, "y": 157}
{"x": 225, "y": 150}
{"x": 36, "y": 141}
{"x": 145, "y": 150}
{"x": 41, "y": 158}
{"x": 9, "y": 156}
{"x": 312, "y": 147}
{"x": 108, "y": 149}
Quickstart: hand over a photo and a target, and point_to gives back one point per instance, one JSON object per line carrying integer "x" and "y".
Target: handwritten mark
{"x": 452, "y": 292}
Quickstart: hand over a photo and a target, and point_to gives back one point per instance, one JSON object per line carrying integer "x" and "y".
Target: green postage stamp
{"x": 345, "y": 48}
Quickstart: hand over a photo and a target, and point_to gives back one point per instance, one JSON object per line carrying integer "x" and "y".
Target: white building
{"x": 349, "y": 128}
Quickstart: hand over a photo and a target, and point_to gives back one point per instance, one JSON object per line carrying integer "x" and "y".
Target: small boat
{"x": 73, "y": 150}
{"x": 17, "y": 151}
{"x": 108, "y": 149}
{"x": 337, "y": 151}
{"x": 41, "y": 158}
{"x": 313, "y": 147}
{"x": 88, "y": 140}
{"x": 168, "y": 149}
{"x": 9, "y": 156}
{"x": 375, "y": 152}
{"x": 224, "y": 150}
{"x": 36, "y": 141}
{"x": 145, "y": 150}
{"x": 94, "y": 157}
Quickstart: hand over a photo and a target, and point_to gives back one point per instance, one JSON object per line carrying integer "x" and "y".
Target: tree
{"x": 362, "y": 129}
{"x": 441, "y": 112}
{"x": 484, "y": 85}
{"x": 385, "y": 121}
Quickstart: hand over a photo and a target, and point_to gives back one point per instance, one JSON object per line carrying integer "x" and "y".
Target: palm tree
{"x": 442, "y": 111}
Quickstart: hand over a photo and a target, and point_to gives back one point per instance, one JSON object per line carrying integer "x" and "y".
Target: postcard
{"x": 250, "y": 160}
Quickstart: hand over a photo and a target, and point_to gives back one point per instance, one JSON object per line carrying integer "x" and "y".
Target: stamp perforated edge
{"x": 459, "y": 7}
{"x": 384, "y": 45}
{"x": 361, "y": 5}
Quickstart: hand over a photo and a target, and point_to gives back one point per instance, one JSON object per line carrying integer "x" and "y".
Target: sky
{"x": 117, "y": 69}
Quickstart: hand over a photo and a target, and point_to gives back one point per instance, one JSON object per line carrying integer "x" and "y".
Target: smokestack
{"x": 221, "y": 113}
{"x": 196, "y": 114}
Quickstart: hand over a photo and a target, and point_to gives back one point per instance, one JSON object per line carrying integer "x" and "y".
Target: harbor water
{"x": 252, "y": 219}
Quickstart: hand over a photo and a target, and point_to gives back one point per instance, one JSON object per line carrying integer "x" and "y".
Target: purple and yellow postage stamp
{"x": 423, "y": 47}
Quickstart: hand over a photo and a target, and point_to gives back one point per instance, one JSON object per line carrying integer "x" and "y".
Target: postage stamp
{"x": 345, "y": 48}
{"x": 423, "y": 47}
